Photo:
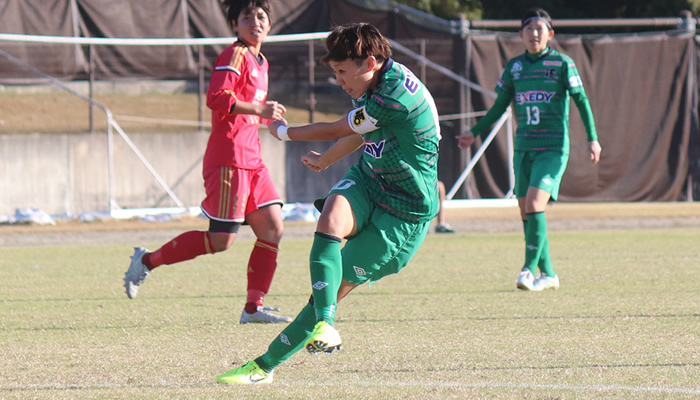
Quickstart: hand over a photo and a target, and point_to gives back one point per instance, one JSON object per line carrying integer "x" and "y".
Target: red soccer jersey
{"x": 237, "y": 75}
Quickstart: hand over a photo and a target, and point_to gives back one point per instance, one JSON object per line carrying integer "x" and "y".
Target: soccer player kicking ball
{"x": 383, "y": 205}
{"x": 238, "y": 185}
{"x": 540, "y": 81}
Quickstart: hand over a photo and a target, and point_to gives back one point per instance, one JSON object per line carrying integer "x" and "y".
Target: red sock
{"x": 184, "y": 247}
{"x": 261, "y": 269}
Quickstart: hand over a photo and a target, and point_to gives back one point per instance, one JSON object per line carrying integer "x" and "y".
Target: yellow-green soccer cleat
{"x": 324, "y": 338}
{"x": 246, "y": 374}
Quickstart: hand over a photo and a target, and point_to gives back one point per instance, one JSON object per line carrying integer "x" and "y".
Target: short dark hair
{"x": 536, "y": 13}
{"x": 356, "y": 41}
{"x": 234, "y": 8}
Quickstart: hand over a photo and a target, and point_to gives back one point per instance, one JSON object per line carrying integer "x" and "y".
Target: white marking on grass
{"x": 488, "y": 385}
{"x": 645, "y": 389}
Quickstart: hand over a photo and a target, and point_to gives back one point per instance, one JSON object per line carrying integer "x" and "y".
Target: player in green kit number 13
{"x": 383, "y": 206}
{"x": 540, "y": 83}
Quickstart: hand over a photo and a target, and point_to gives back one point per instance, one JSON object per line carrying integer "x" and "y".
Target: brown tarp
{"x": 641, "y": 89}
{"x": 138, "y": 19}
{"x": 642, "y": 103}
{"x": 40, "y": 17}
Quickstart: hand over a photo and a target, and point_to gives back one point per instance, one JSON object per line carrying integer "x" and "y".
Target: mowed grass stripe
{"x": 595, "y": 388}
{"x": 450, "y": 326}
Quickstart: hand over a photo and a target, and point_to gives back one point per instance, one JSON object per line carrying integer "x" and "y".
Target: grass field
{"x": 624, "y": 325}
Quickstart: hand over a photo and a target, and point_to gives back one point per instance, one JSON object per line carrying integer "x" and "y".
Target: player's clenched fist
{"x": 273, "y": 110}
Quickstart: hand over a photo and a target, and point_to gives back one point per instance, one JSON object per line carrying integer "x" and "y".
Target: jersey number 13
{"x": 533, "y": 115}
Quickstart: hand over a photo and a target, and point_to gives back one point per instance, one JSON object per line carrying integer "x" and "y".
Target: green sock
{"x": 326, "y": 275}
{"x": 290, "y": 341}
{"x": 545, "y": 262}
{"x": 535, "y": 237}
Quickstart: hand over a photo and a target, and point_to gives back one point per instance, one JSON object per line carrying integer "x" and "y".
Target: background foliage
{"x": 513, "y": 9}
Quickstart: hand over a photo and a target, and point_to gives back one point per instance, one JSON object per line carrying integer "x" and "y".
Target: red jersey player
{"x": 238, "y": 185}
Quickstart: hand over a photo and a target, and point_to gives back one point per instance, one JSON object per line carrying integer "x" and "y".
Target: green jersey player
{"x": 540, "y": 83}
{"x": 383, "y": 206}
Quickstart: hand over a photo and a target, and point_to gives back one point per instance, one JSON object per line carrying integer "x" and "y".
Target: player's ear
{"x": 371, "y": 63}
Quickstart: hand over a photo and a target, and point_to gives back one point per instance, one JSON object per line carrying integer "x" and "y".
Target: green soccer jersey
{"x": 540, "y": 88}
{"x": 399, "y": 125}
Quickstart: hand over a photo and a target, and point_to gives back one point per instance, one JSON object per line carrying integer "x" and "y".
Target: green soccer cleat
{"x": 246, "y": 374}
{"x": 324, "y": 338}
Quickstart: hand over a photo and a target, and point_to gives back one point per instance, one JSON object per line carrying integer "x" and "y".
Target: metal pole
{"x": 467, "y": 72}
{"x": 312, "y": 82}
{"x": 91, "y": 85}
{"x": 462, "y": 108}
{"x": 200, "y": 86}
{"x": 690, "y": 26}
{"x": 110, "y": 164}
{"x": 465, "y": 91}
{"x": 464, "y": 123}
{"x": 70, "y": 187}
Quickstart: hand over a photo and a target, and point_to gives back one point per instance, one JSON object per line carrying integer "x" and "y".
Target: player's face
{"x": 353, "y": 78}
{"x": 252, "y": 25}
{"x": 536, "y": 35}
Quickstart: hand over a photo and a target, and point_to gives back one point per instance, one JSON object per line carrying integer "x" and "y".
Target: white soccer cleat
{"x": 263, "y": 316}
{"x": 545, "y": 282}
{"x": 525, "y": 280}
{"x": 137, "y": 273}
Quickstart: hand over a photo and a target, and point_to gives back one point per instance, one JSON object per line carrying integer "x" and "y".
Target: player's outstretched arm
{"x": 500, "y": 106}
{"x": 319, "y": 131}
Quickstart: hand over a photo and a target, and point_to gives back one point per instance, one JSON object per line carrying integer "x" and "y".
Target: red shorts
{"x": 233, "y": 193}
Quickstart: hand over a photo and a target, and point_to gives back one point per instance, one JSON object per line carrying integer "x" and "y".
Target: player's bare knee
{"x": 221, "y": 241}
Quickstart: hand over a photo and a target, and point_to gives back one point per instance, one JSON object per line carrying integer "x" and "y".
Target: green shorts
{"x": 540, "y": 169}
{"x": 384, "y": 243}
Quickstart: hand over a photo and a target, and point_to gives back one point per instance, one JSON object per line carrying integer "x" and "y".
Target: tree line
{"x": 558, "y": 9}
